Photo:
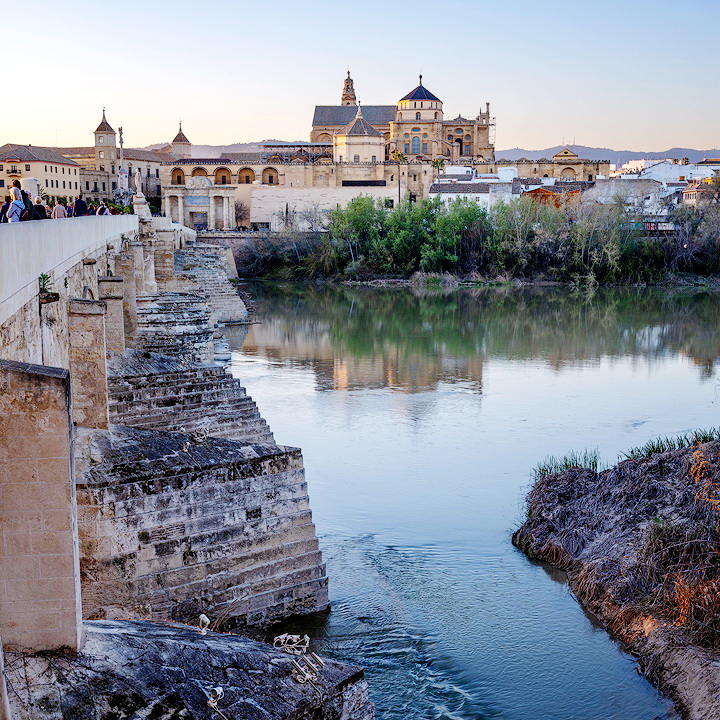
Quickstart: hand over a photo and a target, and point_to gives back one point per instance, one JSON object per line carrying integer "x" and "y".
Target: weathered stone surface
{"x": 153, "y": 391}
{"x": 171, "y": 527}
{"x": 142, "y": 670}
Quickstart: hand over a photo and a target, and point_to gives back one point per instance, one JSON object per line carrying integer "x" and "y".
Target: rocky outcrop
{"x": 143, "y": 670}
{"x": 152, "y": 391}
{"x": 172, "y": 525}
{"x": 641, "y": 546}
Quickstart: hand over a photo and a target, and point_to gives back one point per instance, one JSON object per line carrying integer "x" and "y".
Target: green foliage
{"x": 551, "y": 465}
{"x": 675, "y": 442}
{"x": 44, "y": 282}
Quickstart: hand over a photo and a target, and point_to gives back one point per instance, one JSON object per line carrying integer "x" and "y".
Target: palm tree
{"x": 438, "y": 164}
{"x": 397, "y": 157}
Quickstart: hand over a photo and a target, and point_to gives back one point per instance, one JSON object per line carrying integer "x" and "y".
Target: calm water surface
{"x": 420, "y": 418}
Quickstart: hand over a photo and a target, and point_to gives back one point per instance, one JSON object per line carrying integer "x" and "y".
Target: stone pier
{"x": 112, "y": 293}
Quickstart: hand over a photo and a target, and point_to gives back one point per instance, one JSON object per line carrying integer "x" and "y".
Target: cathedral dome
{"x": 420, "y": 93}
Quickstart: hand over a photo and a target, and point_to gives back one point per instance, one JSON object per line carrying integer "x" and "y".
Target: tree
{"x": 242, "y": 213}
{"x": 438, "y": 164}
{"x": 399, "y": 158}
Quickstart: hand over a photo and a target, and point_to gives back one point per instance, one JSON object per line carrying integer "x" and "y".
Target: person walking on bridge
{"x": 59, "y": 211}
{"x": 80, "y": 208}
{"x": 16, "y": 205}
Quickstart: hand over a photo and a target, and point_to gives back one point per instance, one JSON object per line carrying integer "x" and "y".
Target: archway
{"x": 178, "y": 176}
{"x": 246, "y": 176}
{"x": 324, "y": 138}
{"x": 199, "y": 172}
{"x": 270, "y": 176}
{"x": 568, "y": 173}
{"x": 222, "y": 176}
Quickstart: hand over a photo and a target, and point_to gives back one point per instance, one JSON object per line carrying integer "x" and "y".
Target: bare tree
{"x": 314, "y": 219}
{"x": 242, "y": 214}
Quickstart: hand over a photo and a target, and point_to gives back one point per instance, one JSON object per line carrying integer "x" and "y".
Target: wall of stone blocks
{"x": 171, "y": 527}
{"x": 40, "y": 605}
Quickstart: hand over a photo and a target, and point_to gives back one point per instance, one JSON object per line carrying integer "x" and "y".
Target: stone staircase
{"x": 205, "y": 266}
{"x": 171, "y": 526}
{"x": 152, "y": 391}
{"x": 174, "y": 323}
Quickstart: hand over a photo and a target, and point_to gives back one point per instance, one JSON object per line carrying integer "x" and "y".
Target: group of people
{"x": 18, "y": 207}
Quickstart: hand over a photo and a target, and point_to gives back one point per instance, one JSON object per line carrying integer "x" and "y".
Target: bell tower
{"x": 348, "y": 93}
{"x": 105, "y": 145}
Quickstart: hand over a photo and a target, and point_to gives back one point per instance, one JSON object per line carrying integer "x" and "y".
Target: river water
{"x": 420, "y": 417}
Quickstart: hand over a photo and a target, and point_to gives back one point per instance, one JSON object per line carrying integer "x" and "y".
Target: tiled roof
{"x": 360, "y": 126}
{"x": 145, "y": 155}
{"x": 180, "y": 137}
{"x": 341, "y": 115}
{"x": 30, "y": 153}
{"x": 246, "y": 157}
{"x": 104, "y": 125}
{"x": 74, "y": 151}
{"x": 420, "y": 93}
{"x": 460, "y": 188}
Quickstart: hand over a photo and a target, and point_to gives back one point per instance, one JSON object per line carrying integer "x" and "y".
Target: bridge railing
{"x": 28, "y": 249}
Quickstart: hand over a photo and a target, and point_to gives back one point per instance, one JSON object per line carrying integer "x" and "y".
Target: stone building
{"x": 57, "y": 175}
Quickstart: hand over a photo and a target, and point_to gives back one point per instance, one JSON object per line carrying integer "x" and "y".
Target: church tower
{"x": 348, "y": 94}
{"x": 181, "y": 145}
{"x": 105, "y": 146}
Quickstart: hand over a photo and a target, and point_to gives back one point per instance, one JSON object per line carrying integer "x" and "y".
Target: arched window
{"x": 178, "y": 177}
{"x": 589, "y": 177}
{"x": 199, "y": 172}
{"x": 246, "y": 176}
{"x": 399, "y": 116}
{"x": 415, "y": 145}
{"x": 222, "y": 176}
{"x": 374, "y": 159}
{"x": 356, "y": 158}
{"x": 467, "y": 137}
{"x": 417, "y": 116}
{"x": 270, "y": 176}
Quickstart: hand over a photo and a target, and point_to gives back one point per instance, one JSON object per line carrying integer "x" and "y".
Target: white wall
{"x": 28, "y": 249}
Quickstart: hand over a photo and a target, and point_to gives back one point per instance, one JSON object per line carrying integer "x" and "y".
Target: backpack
{"x": 27, "y": 212}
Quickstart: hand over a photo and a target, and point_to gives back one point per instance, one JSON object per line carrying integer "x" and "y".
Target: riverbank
{"x": 640, "y": 544}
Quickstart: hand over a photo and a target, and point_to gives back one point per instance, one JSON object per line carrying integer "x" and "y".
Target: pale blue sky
{"x": 638, "y": 75}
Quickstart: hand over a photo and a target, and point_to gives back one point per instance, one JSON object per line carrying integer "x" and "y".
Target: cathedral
{"x": 414, "y": 127}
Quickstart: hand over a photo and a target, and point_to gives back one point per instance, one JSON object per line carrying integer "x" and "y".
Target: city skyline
{"x": 603, "y": 74}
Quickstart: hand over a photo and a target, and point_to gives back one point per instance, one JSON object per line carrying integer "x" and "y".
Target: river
{"x": 421, "y": 417}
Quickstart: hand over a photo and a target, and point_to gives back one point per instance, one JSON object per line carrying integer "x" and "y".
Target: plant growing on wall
{"x": 45, "y": 282}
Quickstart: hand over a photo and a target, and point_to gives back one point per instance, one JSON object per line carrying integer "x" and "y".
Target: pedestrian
{"x": 17, "y": 208}
{"x": 103, "y": 209}
{"x": 69, "y": 209}
{"x": 91, "y": 210}
{"x": 5, "y": 207}
{"x": 25, "y": 199}
{"x": 59, "y": 211}
{"x": 80, "y": 208}
{"x": 38, "y": 210}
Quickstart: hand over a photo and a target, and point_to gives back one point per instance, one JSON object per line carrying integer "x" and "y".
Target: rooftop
{"x": 420, "y": 93}
{"x": 180, "y": 137}
{"x": 360, "y": 126}
{"x": 341, "y": 115}
{"x": 30, "y": 153}
{"x": 104, "y": 125}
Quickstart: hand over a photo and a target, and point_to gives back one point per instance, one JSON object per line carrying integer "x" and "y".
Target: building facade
{"x": 57, "y": 176}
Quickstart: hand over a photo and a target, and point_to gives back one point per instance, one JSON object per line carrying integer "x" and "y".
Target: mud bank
{"x": 640, "y": 544}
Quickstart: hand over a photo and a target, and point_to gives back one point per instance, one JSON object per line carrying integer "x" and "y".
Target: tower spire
{"x": 348, "y": 93}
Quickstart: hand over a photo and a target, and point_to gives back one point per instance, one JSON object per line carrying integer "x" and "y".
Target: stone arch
{"x": 223, "y": 176}
{"x": 324, "y": 138}
{"x": 568, "y": 173}
{"x": 178, "y": 176}
{"x": 246, "y": 176}
{"x": 199, "y": 172}
{"x": 270, "y": 176}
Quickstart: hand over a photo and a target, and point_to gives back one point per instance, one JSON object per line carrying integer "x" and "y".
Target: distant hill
{"x": 619, "y": 157}
{"x": 590, "y": 153}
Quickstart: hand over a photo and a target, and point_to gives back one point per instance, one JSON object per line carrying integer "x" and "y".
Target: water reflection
{"x": 420, "y": 417}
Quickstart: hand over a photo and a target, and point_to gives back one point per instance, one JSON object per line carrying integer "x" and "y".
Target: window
{"x": 458, "y": 131}
{"x": 2, "y": 183}
{"x": 1, "y": 167}
{"x": 157, "y": 189}
{"x": 450, "y": 138}
{"x": 114, "y": 186}
{"x": 63, "y": 184}
{"x": 157, "y": 172}
{"x": 589, "y": 177}
{"x": 424, "y": 147}
{"x": 223, "y": 179}
{"x": 467, "y": 137}
{"x": 415, "y": 144}
{"x": 45, "y": 168}
{"x": 417, "y": 130}
{"x": 424, "y": 135}
{"x": 87, "y": 185}
{"x": 101, "y": 140}
{"x": 75, "y": 173}
{"x": 341, "y": 158}
{"x": 76, "y": 186}
{"x": 148, "y": 173}
{"x": 112, "y": 169}
{"x": 102, "y": 168}
{"x": 27, "y": 168}
{"x": 372, "y": 159}
{"x": 356, "y": 158}
{"x": 102, "y": 155}
{"x": 407, "y": 135}
{"x": 95, "y": 186}
{"x": 407, "y": 147}
{"x": 417, "y": 116}
{"x": 271, "y": 180}
{"x": 414, "y": 178}
{"x": 103, "y": 186}
{"x": 437, "y": 115}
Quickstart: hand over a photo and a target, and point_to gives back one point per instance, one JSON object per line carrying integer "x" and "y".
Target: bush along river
{"x": 421, "y": 417}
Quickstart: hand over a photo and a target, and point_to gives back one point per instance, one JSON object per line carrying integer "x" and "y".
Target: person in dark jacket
{"x": 80, "y": 207}
{"x": 4, "y": 209}
{"x": 91, "y": 210}
{"x": 38, "y": 210}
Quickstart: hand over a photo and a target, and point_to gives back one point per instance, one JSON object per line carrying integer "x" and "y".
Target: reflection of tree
{"x": 430, "y": 333}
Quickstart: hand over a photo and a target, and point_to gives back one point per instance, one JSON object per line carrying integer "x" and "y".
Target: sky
{"x": 625, "y": 74}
